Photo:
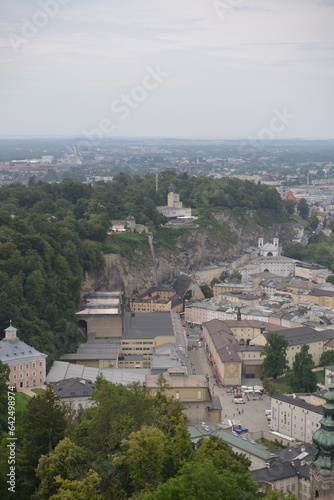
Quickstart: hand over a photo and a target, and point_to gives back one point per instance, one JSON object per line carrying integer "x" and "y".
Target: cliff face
{"x": 194, "y": 248}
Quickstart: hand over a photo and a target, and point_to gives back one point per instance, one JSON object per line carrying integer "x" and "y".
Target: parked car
{"x": 239, "y": 401}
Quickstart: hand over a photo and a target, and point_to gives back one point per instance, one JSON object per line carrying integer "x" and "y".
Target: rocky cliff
{"x": 193, "y": 249}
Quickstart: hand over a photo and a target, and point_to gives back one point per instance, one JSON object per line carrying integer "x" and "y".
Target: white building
{"x": 295, "y": 418}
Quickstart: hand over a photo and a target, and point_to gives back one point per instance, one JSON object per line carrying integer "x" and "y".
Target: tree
{"x": 303, "y": 208}
{"x": 327, "y": 358}
{"x": 274, "y": 351}
{"x": 145, "y": 454}
{"x": 4, "y": 378}
{"x": 86, "y": 489}
{"x": 67, "y": 461}
{"x": 314, "y": 220}
{"x": 330, "y": 279}
{"x": 43, "y": 426}
{"x": 202, "y": 481}
{"x": 301, "y": 378}
{"x": 207, "y": 291}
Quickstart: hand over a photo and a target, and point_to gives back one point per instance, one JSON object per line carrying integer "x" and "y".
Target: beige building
{"x": 297, "y": 337}
{"x": 311, "y": 271}
{"x": 26, "y": 364}
{"x": 102, "y": 313}
{"x": 322, "y": 297}
{"x": 191, "y": 390}
{"x": 144, "y": 331}
{"x": 220, "y": 289}
{"x": 206, "y": 274}
{"x": 166, "y": 298}
{"x": 223, "y": 352}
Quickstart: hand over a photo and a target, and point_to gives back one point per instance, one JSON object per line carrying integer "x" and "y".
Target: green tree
{"x": 4, "y": 379}
{"x": 301, "y": 378}
{"x": 314, "y": 220}
{"x": 330, "y": 279}
{"x": 67, "y": 460}
{"x": 275, "y": 361}
{"x": 303, "y": 208}
{"x": 207, "y": 291}
{"x": 222, "y": 455}
{"x": 202, "y": 481}
{"x": 145, "y": 454}
{"x": 327, "y": 358}
{"x": 43, "y": 426}
{"x": 84, "y": 489}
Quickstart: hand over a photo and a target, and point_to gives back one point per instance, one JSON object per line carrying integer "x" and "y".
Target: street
{"x": 251, "y": 414}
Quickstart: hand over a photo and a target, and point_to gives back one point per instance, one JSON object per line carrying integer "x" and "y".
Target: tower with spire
{"x": 322, "y": 466}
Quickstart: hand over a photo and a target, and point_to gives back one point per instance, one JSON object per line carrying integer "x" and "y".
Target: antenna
{"x": 156, "y": 181}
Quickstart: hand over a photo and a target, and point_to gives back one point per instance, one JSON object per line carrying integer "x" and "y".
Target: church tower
{"x": 322, "y": 466}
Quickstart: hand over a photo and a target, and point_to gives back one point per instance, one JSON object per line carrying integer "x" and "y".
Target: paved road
{"x": 252, "y": 413}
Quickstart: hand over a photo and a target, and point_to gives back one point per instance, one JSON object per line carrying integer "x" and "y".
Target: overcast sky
{"x": 167, "y": 68}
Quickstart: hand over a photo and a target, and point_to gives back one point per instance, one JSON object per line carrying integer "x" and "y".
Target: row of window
{"x": 137, "y": 343}
{"x": 27, "y": 374}
{"x": 27, "y": 366}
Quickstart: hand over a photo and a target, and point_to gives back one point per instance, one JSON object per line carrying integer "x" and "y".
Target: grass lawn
{"x": 271, "y": 445}
{"x": 321, "y": 377}
{"x": 38, "y": 390}
{"x": 281, "y": 386}
{"x": 21, "y": 401}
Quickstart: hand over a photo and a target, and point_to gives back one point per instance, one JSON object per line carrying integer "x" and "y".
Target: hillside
{"x": 178, "y": 251}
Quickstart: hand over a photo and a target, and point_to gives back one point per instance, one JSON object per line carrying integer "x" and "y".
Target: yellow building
{"x": 192, "y": 390}
{"x": 144, "y": 331}
{"x": 321, "y": 297}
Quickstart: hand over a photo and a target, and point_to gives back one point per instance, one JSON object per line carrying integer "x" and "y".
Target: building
{"x": 75, "y": 393}
{"x": 297, "y": 337}
{"x": 206, "y": 274}
{"x": 322, "y": 297}
{"x": 288, "y": 472}
{"x": 97, "y": 352}
{"x": 294, "y": 417}
{"x": 144, "y": 331}
{"x": 102, "y": 314}
{"x": 192, "y": 390}
{"x": 165, "y": 297}
{"x": 223, "y": 352}
{"x": 174, "y": 208}
{"x": 311, "y": 271}
{"x": 27, "y": 365}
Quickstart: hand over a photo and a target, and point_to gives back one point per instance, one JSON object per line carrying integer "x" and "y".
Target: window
{"x": 14, "y": 368}
{"x": 40, "y": 363}
{"x": 27, "y": 366}
{"x": 199, "y": 394}
{"x": 21, "y": 366}
{"x": 33, "y": 374}
{"x": 34, "y": 365}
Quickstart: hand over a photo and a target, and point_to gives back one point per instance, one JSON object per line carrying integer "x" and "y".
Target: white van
{"x": 239, "y": 401}
{"x": 268, "y": 412}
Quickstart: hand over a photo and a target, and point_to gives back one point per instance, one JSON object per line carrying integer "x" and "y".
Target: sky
{"x": 261, "y": 69}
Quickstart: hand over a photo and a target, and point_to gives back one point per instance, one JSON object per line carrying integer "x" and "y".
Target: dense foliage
{"x": 51, "y": 233}
{"x": 320, "y": 250}
{"x": 117, "y": 452}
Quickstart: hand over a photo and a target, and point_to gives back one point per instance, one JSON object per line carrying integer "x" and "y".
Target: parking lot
{"x": 251, "y": 414}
